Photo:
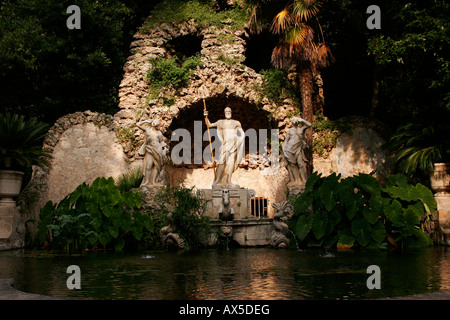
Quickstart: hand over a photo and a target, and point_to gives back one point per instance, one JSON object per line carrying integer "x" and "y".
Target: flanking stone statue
{"x": 170, "y": 239}
{"x": 154, "y": 151}
{"x": 280, "y": 235}
{"x": 232, "y": 150}
{"x": 294, "y": 153}
{"x": 226, "y": 211}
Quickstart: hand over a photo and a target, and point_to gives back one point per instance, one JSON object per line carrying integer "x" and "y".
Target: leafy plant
{"x": 93, "y": 215}
{"x": 21, "y": 142}
{"x": 202, "y": 12}
{"x": 326, "y": 134}
{"x": 187, "y": 207}
{"x": 358, "y": 212}
{"x": 276, "y": 85}
{"x": 419, "y": 147}
{"x": 130, "y": 180}
{"x": 167, "y": 72}
{"x": 405, "y": 208}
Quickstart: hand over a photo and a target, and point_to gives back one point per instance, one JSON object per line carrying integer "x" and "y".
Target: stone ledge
{"x": 8, "y": 292}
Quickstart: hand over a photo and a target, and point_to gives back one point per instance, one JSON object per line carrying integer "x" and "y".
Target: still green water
{"x": 256, "y": 273}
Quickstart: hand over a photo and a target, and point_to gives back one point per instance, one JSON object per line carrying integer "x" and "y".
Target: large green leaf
{"x": 104, "y": 238}
{"x": 426, "y": 196}
{"x": 410, "y": 218}
{"x": 302, "y": 203}
{"x": 303, "y": 226}
{"x": 393, "y": 211}
{"x": 419, "y": 239}
{"x": 326, "y": 195}
{"x": 362, "y": 230}
{"x": 418, "y": 209}
{"x": 137, "y": 232}
{"x": 347, "y": 197}
{"x": 368, "y": 182}
{"x": 378, "y": 232}
{"x": 319, "y": 225}
{"x": 75, "y": 195}
{"x": 331, "y": 241}
{"x": 312, "y": 180}
{"x": 373, "y": 210}
{"x": 345, "y": 238}
{"x": 118, "y": 246}
{"x": 113, "y": 231}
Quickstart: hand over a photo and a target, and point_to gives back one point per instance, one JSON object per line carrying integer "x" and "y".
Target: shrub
{"x": 187, "y": 207}
{"x": 130, "y": 180}
{"x": 326, "y": 134}
{"x": 357, "y": 211}
{"x": 202, "y": 12}
{"x": 93, "y": 215}
{"x": 276, "y": 85}
{"x": 167, "y": 72}
{"x": 21, "y": 142}
{"x": 418, "y": 146}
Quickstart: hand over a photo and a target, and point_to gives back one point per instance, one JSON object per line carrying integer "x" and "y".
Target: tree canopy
{"x": 397, "y": 74}
{"x": 48, "y": 70}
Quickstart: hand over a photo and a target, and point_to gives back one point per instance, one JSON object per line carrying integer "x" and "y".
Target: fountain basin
{"x": 246, "y": 232}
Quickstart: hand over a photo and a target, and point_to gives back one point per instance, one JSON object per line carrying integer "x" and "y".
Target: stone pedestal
{"x": 440, "y": 183}
{"x": 239, "y": 200}
{"x": 443, "y": 206}
{"x": 295, "y": 190}
{"x": 6, "y": 221}
{"x": 245, "y": 232}
{"x": 9, "y": 239}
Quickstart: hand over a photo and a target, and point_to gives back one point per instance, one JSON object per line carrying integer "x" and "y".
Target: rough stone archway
{"x": 224, "y": 79}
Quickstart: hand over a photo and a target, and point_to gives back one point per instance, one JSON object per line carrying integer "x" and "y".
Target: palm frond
{"x": 255, "y": 22}
{"x": 300, "y": 35}
{"x": 417, "y": 148}
{"x": 281, "y": 22}
{"x": 21, "y": 140}
{"x": 303, "y": 10}
{"x": 323, "y": 56}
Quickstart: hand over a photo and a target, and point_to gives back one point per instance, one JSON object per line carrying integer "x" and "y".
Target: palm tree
{"x": 300, "y": 47}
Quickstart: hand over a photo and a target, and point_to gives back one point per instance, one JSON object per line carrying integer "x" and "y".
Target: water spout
{"x": 295, "y": 238}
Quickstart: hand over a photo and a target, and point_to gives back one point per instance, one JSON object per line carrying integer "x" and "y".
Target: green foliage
{"x": 229, "y": 61}
{"x": 419, "y": 146}
{"x": 130, "y": 180}
{"x": 415, "y": 45}
{"x": 405, "y": 208}
{"x": 276, "y": 85}
{"x": 201, "y": 11}
{"x": 167, "y": 72}
{"x": 94, "y": 215}
{"x": 358, "y": 212}
{"x": 327, "y": 133}
{"x": 21, "y": 142}
{"x": 187, "y": 207}
{"x": 47, "y": 70}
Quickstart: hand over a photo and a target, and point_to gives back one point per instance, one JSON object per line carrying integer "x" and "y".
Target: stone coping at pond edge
{"x": 8, "y": 292}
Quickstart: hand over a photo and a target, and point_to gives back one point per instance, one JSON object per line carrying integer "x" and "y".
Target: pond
{"x": 236, "y": 274}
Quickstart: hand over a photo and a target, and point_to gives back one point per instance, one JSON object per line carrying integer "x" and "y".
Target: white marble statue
{"x": 232, "y": 139}
{"x": 154, "y": 151}
{"x": 294, "y": 152}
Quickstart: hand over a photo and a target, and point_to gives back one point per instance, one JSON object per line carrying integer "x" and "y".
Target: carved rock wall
{"x": 84, "y": 146}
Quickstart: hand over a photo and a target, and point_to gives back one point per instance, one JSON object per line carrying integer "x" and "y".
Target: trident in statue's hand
{"x": 202, "y": 93}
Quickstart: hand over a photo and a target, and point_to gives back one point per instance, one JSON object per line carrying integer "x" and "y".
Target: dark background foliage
{"x": 399, "y": 74}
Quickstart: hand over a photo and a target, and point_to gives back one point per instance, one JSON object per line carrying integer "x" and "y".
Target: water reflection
{"x": 231, "y": 274}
